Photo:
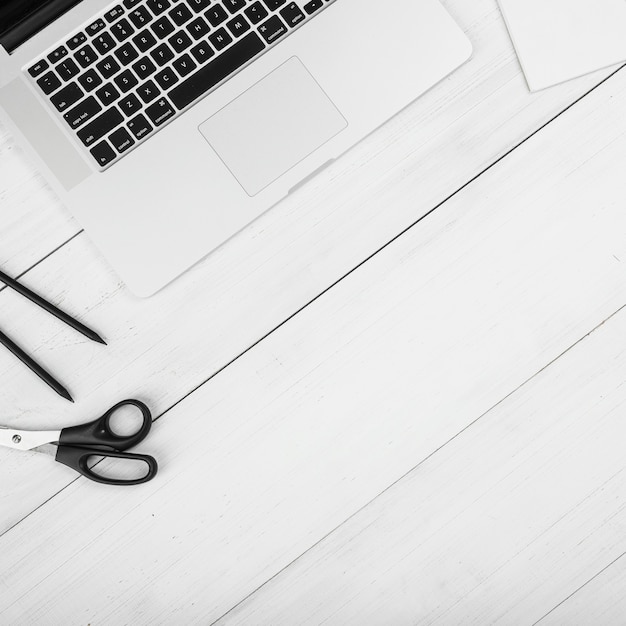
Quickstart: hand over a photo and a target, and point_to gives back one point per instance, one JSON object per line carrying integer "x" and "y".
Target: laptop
{"x": 167, "y": 126}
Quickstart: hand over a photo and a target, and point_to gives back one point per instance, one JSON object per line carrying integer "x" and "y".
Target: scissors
{"x": 76, "y": 445}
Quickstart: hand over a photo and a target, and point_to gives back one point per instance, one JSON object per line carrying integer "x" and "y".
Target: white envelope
{"x": 557, "y": 40}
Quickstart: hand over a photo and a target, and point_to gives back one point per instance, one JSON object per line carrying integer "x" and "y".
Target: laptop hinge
{"x": 31, "y": 24}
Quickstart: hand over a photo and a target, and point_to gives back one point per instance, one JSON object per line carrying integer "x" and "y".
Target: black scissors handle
{"x": 78, "y": 443}
{"x": 79, "y": 458}
{"x": 98, "y": 434}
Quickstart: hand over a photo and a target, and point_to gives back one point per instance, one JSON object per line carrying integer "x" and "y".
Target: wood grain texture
{"x": 33, "y": 222}
{"x": 502, "y": 522}
{"x": 164, "y": 348}
{"x": 320, "y": 418}
{"x": 601, "y": 600}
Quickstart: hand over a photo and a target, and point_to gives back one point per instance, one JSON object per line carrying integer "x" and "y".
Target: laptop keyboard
{"x": 141, "y": 63}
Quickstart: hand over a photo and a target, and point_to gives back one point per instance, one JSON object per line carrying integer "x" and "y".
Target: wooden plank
{"x": 339, "y": 403}
{"x": 32, "y": 220}
{"x": 446, "y": 127}
{"x": 600, "y": 601}
{"x": 497, "y": 527}
{"x": 165, "y": 347}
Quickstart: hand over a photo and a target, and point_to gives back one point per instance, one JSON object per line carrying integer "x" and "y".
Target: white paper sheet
{"x": 557, "y": 40}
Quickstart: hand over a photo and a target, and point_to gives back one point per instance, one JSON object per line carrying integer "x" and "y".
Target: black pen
{"x": 39, "y": 301}
{"x": 35, "y": 367}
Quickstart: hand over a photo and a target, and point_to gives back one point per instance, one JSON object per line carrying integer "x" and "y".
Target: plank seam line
{"x": 521, "y": 550}
{"x": 48, "y": 255}
{"x": 368, "y": 257}
{"x": 426, "y": 458}
{"x": 571, "y": 595}
{"x": 336, "y": 282}
{"x": 389, "y": 487}
{"x": 386, "y": 245}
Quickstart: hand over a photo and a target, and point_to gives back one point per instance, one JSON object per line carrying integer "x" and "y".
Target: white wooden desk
{"x": 365, "y": 417}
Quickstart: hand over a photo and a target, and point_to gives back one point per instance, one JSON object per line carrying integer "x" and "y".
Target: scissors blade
{"x": 26, "y": 439}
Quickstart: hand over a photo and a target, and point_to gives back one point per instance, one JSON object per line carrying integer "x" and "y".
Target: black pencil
{"x": 35, "y": 367}
{"x": 39, "y": 301}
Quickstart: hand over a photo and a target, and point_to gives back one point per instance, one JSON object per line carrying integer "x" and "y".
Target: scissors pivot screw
{"x": 16, "y": 439}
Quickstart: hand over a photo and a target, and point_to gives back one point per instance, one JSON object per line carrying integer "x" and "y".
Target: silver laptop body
{"x": 166, "y": 126}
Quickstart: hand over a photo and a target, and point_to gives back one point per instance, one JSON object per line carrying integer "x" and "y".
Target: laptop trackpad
{"x": 273, "y": 126}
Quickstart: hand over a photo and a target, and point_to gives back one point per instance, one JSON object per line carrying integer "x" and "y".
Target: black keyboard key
{"x": 180, "y": 41}
{"x": 217, "y": 70}
{"x": 113, "y": 14}
{"x": 216, "y": 15}
{"x": 130, "y": 105}
{"x": 103, "y": 43}
{"x": 76, "y": 40}
{"x": 198, "y": 5}
{"x": 121, "y": 140}
{"x": 144, "y": 68}
{"x": 126, "y": 81}
{"x": 57, "y": 54}
{"x": 272, "y": 5}
{"x": 140, "y": 17}
{"x": 66, "y": 97}
{"x": 167, "y": 78}
{"x": 314, "y": 5}
{"x": 148, "y": 91}
{"x": 160, "y": 111}
{"x": 220, "y": 39}
{"x": 38, "y": 68}
{"x": 256, "y": 13}
{"x": 158, "y": 6}
{"x": 234, "y": 5}
{"x": 292, "y": 14}
{"x": 122, "y": 30}
{"x": 162, "y": 54}
{"x": 180, "y": 14}
{"x": 95, "y": 27}
{"x": 90, "y": 80}
{"x": 108, "y": 66}
{"x": 184, "y": 65}
{"x": 144, "y": 40}
{"x": 108, "y": 94}
{"x": 238, "y": 25}
{"x": 162, "y": 27}
{"x": 202, "y": 52}
{"x": 272, "y": 29}
{"x": 103, "y": 153}
{"x": 67, "y": 69}
{"x": 139, "y": 126}
{"x": 86, "y": 56}
{"x": 96, "y": 129}
{"x": 82, "y": 112}
{"x": 198, "y": 28}
{"x": 49, "y": 82}
{"x": 126, "y": 53}
{"x": 129, "y": 4}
